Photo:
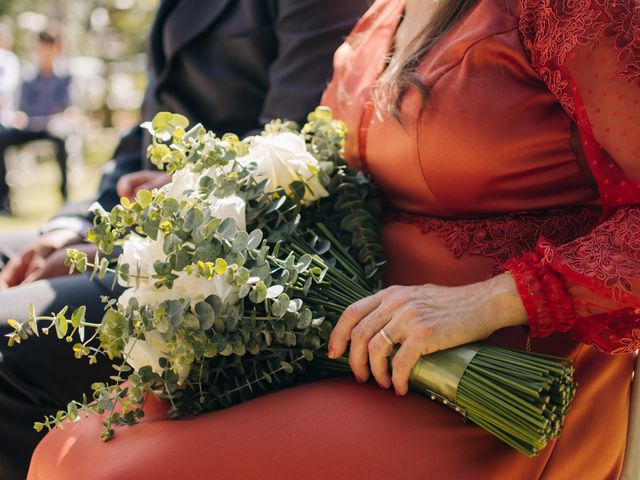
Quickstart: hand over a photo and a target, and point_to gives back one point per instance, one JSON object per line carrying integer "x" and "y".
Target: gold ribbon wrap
{"x": 440, "y": 372}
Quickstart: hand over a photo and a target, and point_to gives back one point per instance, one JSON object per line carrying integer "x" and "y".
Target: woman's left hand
{"x": 423, "y": 319}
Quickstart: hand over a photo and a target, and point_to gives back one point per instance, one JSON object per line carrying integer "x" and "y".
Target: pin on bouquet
{"x": 236, "y": 272}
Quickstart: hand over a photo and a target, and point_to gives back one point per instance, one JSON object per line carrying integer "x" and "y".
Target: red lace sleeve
{"x": 588, "y": 53}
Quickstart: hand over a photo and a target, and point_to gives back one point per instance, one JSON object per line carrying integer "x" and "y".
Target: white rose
{"x": 140, "y": 253}
{"x": 146, "y": 294}
{"x": 229, "y": 207}
{"x": 139, "y": 353}
{"x": 182, "y": 181}
{"x": 197, "y": 288}
{"x": 142, "y": 352}
{"x": 193, "y": 287}
{"x": 185, "y": 183}
{"x": 282, "y": 159}
{"x": 185, "y": 186}
{"x": 148, "y": 351}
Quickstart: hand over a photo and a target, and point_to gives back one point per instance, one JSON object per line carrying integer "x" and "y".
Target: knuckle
{"x": 358, "y": 334}
{"x": 394, "y": 302}
{"x": 352, "y": 310}
{"x": 411, "y": 312}
{"x": 393, "y": 291}
{"x": 395, "y": 288}
{"x": 423, "y": 330}
{"x": 374, "y": 346}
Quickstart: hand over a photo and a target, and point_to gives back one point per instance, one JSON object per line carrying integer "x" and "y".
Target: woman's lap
{"x": 335, "y": 428}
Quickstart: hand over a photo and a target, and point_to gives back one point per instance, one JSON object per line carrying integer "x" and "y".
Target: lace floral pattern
{"x": 609, "y": 255}
{"x": 630, "y": 343}
{"x": 598, "y": 43}
{"x": 553, "y": 29}
{"x": 544, "y": 295}
{"x": 501, "y": 238}
{"x": 598, "y": 274}
{"x": 616, "y": 333}
{"x": 607, "y": 262}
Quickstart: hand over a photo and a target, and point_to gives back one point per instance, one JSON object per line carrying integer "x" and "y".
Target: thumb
{"x": 124, "y": 186}
{"x": 128, "y": 183}
{"x": 156, "y": 181}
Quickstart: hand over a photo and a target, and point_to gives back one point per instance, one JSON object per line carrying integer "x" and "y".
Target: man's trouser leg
{"x": 41, "y": 375}
{"x": 14, "y": 137}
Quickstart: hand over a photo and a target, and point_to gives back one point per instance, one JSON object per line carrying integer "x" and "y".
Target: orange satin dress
{"x": 473, "y": 178}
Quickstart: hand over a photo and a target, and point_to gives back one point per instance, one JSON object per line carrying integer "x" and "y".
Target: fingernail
{"x": 332, "y": 352}
{"x": 382, "y": 386}
{"x": 397, "y": 393}
{"x": 358, "y": 379}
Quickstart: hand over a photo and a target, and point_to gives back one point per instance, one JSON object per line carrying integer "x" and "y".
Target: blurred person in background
{"x": 43, "y": 101}
{"x": 231, "y": 66}
{"x": 9, "y": 74}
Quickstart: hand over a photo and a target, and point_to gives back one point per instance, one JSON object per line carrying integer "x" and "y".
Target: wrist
{"x": 507, "y": 307}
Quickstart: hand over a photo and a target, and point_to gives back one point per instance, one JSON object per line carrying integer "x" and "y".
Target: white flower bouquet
{"x": 236, "y": 272}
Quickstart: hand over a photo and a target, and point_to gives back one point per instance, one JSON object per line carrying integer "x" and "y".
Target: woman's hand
{"x": 131, "y": 183}
{"x": 423, "y": 319}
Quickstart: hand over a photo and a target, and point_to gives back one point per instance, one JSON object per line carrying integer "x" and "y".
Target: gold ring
{"x": 386, "y": 337}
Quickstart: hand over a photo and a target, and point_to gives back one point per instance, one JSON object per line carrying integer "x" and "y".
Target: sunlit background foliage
{"x": 104, "y": 45}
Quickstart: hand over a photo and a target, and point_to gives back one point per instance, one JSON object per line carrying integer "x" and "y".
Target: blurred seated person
{"x": 42, "y": 103}
{"x": 9, "y": 73}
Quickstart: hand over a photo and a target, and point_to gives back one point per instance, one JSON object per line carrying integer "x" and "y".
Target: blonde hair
{"x": 401, "y": 73}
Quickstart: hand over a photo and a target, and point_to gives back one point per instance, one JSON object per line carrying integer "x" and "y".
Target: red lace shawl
{"x": 588, "y": 53}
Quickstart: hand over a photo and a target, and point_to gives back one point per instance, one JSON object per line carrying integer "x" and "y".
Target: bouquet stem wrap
{"x": 440, "y": 373}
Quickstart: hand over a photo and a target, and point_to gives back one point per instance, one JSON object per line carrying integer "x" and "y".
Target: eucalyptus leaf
{"x": 205, "y": 314}
{"x": 78, "y": 316}
{"x": 240, "y": 242}
{"x": 228, "y": 227}
{"x": 274, "y": 291}
{"x": 171, "y": 243}
{"x": 258, "y": 292}
{"x": 193, "y": 218}
{"x": 255, "y": 239}
{"x": 175, "y": 312}
{"x": 150, "y": 227}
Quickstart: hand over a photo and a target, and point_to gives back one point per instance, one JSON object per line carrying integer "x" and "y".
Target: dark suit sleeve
{"x": 126, "y": 159}
{"x": 308, "y": 32}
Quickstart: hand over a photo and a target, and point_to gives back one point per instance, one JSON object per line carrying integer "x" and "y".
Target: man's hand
{"x": 130, "y": 184}
{"x": 42, "y": 258}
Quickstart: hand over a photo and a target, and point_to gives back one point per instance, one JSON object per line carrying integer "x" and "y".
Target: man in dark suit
{"x": 231, "y": 65}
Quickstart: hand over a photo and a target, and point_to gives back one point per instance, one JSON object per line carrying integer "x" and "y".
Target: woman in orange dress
{"x": 505, "y": 136}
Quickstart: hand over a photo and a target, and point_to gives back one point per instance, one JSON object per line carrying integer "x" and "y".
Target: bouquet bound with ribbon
{"x": 236, "y": 272}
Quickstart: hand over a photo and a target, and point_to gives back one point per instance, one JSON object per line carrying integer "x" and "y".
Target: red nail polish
{"x": 358, "y": 379}
{"x": 332, "y": 352}
{"x": 397, "y": 393}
